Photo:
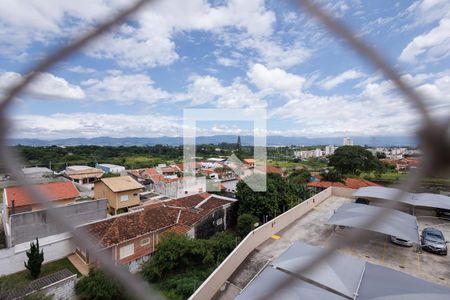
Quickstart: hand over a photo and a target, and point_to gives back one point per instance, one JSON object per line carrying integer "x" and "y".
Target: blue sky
{"x": 173, "y": 55}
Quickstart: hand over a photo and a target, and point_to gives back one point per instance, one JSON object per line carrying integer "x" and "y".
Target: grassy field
{"x": 24, "y": 277}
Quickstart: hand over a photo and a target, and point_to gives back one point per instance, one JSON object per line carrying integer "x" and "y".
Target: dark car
{"x": 362, "y": 201}
{"x": 443, "y": 214}
{"x": 433, "y": 241}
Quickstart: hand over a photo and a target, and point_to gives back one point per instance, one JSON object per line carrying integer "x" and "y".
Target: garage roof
{"x": 422, "y": 199}
{"x": 394, "y": 222}
{"x": 353, "y": 278}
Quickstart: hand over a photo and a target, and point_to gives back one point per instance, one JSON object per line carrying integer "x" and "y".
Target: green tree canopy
{"x": 280, "y": 196}
{"x": 354, "y": 160}
{"x": 245, "y": 224}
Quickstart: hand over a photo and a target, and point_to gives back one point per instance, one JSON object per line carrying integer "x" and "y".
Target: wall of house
{"x": 141, "y": 252}
{"x": 27, "y": 226}
{"x": 57, "y": 203}
{"x": 133, "y": 198}
{"x": 55, "y": 247}
{"x": 215, "y": 281}
{"x": 218, "y": 220}
{"x": 101, "y": 191}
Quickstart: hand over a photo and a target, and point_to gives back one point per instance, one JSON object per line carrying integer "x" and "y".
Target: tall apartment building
{"x": 348, "y": 141}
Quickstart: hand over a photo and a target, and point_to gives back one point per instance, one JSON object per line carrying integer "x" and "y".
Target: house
{"x": 16, "y": 200}
{"x": 37, "y": 172}
{"x": 250, "y": 162}
{"x": 350, "y": 183}
{"x": 110, "y": 168}
{"x": 403, "y": 164}
{"x": 83, "y": 174}
{"x": 162, "y": 181}
{"x": 131, "y": 238}
{"x": 121, "y": 192}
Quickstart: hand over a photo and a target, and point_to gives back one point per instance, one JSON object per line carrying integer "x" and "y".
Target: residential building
{"x": 16, "y": 199}
{"x": 121, "y": 192}
{"x": 162, "y": 180}
{"x": 110, "y": 168}
{"x": 348, "y": 141}
{"x": 329, "y": 150}
{"x": 83, "y": 174}
{"x": 403, "y": 164}
{"x": 37, "y": 172}
{"x": 131, "y": 238}
{"x": 250, "y": 162}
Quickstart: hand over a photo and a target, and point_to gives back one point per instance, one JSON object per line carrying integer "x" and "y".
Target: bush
{"x": 332, "y": 175}
{"x": 245, "y": 224}
{"x": 97, "y": 286}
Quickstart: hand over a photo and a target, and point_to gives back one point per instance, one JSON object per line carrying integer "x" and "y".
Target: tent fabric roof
{"x": 383, "y": 283}
{"x": 421, "y": 199}
{"x": 271, "y": 278}
{"x": 339, "y": 272}
{"x": 366, "y": 280}
{"x": 396, "y": 223}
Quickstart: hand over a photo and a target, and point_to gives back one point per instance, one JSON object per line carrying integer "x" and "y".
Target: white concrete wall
{"x": 55, "y": 247}
{"x": 213, "y": 283}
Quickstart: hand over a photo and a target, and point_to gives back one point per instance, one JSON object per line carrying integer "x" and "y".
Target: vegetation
{"x": 35, "y": 259}
{"x": 299, "y": 176}
{"x": 280, "y": 196}
{"x": 24, "y": 277}
{"x": 180, "y": 264}
{"x": 332, "y": 175}
{"x": 97, "y": 286}
{"x": 354, "y": 160}
{"x": 245, "y": 224}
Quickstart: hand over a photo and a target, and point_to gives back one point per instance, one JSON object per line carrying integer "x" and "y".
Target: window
{"x": 126, "y": 251}
{"x": 123, "y": 198}
{"x": 145, "y": 242}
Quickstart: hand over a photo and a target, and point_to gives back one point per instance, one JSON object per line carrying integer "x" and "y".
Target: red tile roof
{"x": 184, "y": 212}
{"x": 54, "y": 191}
{"x": 177, "y": 229}
{"x": 351, "y": 183}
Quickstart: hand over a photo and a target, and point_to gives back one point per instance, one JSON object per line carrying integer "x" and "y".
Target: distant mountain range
{"x": 216, "y": 139}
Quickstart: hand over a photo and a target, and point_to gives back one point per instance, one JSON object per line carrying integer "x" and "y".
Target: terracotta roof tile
{"x": 351, "y": 183}
{"x": 187, "y": 211}
{"x": 54, "y": 191}
{"x": 121, "y": 183}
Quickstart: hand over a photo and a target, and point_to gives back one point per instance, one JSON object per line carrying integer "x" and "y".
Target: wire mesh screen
{"x": 433, "y": 136}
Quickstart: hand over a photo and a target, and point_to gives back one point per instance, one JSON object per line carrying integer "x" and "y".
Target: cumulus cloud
{"x": 124, "y": 89}
{"x": 93, "y": 125}
{"x": 209, "y": 90}
{"x": 430, "y": 46}
{"x": 275, "y": 79}
{"x": 46, "y": 86}
{"x": 81, "y": 70}
{"x": 332, "y": 82}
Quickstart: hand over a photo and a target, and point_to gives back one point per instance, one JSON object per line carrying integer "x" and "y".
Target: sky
{"x": 136, "y": 80}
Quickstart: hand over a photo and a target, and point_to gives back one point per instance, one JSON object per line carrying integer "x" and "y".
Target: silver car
{"x": 400, "y": 241}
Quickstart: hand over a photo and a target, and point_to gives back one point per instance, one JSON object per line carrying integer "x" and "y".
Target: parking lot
{"x": 376, "y": 249}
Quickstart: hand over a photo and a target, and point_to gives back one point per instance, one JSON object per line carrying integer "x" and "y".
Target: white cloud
{"x": 430, "y": 46}
{"x": 124, "y": 89}
{"x": 81, "y": 70}
{"x": 209, "y": 90}
{"x": 274, "y": 54}
{"x": 94, "y": 125}
{"x": 276, "y": 79}
{"x": 332, "y": 82}
{"x": 46, "y": 86}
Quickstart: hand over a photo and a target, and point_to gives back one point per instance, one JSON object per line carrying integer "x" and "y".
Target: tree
{"x": 332, "y": 175}
{"x": 245, "y": 224}
{"x": 299, "y": 176}
{"x": 35, "y": 259}
{"x": 97, "y": 285}
{"x": 280, "y": 196}
{"x": 354, "y": 160}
